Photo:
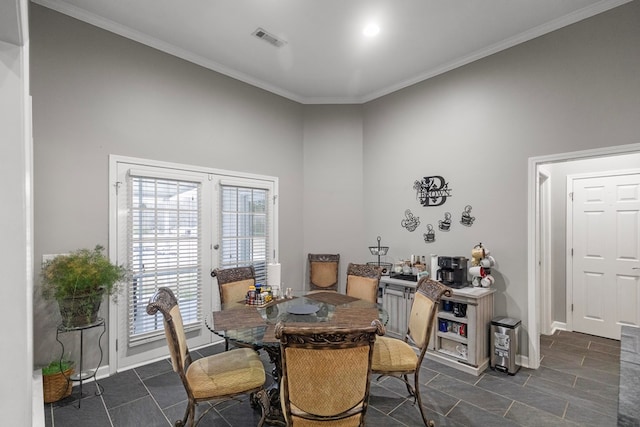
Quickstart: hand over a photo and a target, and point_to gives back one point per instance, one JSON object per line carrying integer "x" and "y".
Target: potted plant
{"x": 78, "y": 282}
{"x": 55, "y": 380}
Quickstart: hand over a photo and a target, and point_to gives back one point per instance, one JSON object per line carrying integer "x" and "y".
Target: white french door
{"x": 172, "y": 225}
{"x": 605, "y": 274}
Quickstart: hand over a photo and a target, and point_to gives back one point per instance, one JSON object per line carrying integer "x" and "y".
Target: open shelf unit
{"x": 462, "y": 341}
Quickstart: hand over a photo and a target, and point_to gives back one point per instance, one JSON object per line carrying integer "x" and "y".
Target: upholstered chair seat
{"x": 397, "y": 358}
{"x": 227, "y": 373}
{"x": 393, "y": 355}
{"x": 212, "y": 378}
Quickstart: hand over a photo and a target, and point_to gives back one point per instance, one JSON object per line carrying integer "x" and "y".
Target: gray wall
{"x": 333, "y": 196}
{"x": 97, "y": 94}
{"x": 574, "y": 89}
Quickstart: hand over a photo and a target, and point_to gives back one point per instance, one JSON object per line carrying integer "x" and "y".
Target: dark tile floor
{"x": 577, "y": 384}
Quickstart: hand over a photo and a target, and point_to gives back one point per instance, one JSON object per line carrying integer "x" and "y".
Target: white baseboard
{"x": 522, "y": 360}
{"x": 37, "y": 402}
{"x": 558, "y": 326}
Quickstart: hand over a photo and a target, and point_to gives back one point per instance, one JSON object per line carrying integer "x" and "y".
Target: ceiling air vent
{"x": 269, "y": 38}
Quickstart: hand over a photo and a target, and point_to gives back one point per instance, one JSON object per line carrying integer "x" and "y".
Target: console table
{"x": 82, "y": 376}
{"x": 464, "y": 344}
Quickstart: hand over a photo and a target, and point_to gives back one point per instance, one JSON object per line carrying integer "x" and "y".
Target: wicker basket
{"x": 57, "y": 386}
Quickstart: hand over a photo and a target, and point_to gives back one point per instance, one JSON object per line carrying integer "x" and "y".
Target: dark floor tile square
{"x": 409, "y": 415}
{"x": 166, "y": 389}
{"x": 604, "y": 348}
{"x": 470, "y": 415}
{"x": 437, "y": 400}
{"x": 153, "y": 369}
{"x": 486, "y": 400}
{"x": 597, "y": 388}
{"x": 92, "y": 412}
{"x": 449, "y": 371}
{"x": 375, "y": 418}
{"x": 141, "y": 412}
{"x": 241, "y": 414}
{"x": 591, "y": 363}
{"x": 554, "y": 375}
{"x": 384, "y": 399}
{"x": 122, "y": 388}
{"x": 586, "y": 415}
{"x": 597, "y": 401}
{"x": 528, "y": 416}
{"x": 527, "y": 395}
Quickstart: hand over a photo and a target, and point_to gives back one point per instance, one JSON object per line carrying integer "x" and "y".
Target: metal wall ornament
{"x": 445, "y": 224}
{"x": 410, "y": 222}
{"x": 432, "y": 190}
{"x": 430, "y": 235}
{"x": 466, "y": 218}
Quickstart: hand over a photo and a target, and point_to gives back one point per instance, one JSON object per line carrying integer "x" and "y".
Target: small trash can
{"x": 505, "y": 333}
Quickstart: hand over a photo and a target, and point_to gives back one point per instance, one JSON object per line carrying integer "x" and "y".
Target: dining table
{"x": 254, "y": 326}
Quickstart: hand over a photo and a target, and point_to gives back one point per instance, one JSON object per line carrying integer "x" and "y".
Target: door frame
{"x": 534, "y": 302}
{"x": 223, "y": 174}
{"x": 543, "y": 239}
{"x": 569, "y": 231}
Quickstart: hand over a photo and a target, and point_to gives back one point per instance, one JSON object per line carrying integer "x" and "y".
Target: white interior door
{"x": 606, "y": 253}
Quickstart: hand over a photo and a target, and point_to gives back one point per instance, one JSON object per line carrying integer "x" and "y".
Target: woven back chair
{"x": 233, "y": 284}
{"x": 363, "y": 281}
{"x": 397, "y": 358}
{"x": 326, "y": 373}
{"x": 323, "y": 272}
{"x": 220, "y": 376}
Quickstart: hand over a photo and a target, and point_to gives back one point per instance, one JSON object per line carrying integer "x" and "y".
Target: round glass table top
{"x": 255, "y": 325}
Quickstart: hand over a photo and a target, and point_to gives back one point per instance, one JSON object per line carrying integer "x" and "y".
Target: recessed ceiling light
{"x": 371, "y": 30}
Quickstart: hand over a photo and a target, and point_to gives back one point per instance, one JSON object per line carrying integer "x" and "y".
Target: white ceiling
{"x": 326, "y": 58}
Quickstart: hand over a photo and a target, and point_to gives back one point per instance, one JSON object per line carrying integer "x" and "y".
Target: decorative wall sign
{"x": 432, "y": 190}
{"x": 467, "y": 219}
{"x": 410, "y": 222}
{"x": 430, "y": 235}
{"x": 445, "y": 224}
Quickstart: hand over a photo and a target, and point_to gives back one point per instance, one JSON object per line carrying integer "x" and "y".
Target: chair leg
{"x": 190, "y": 414}
{"x": 263, "y": 399}
{"x": 418, "y": 397}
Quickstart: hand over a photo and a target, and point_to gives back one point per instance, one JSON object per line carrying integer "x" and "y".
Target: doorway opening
{"x": 541, "y": 301}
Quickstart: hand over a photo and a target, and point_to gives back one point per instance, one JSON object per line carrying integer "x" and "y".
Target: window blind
{"x": 164, "y": 230}
{"x": 244, "y": 228}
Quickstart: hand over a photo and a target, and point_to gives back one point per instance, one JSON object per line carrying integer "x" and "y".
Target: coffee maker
{"x": 453, "y": 271}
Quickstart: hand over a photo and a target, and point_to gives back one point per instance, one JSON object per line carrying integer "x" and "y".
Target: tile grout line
{"x": 152, "y": 398}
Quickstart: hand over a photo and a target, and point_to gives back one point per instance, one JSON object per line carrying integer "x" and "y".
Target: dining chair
{"x": 326, "y": 373}
{"x": 233, "y": 284}
{"x": 323, "y": 272}
{"x": 220, "y": 376}
{"x": 363, "y": 281}
{"x": 396, "y": 357}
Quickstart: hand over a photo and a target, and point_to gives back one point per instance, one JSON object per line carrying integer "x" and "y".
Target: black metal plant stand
{"x": 82, "y": 376}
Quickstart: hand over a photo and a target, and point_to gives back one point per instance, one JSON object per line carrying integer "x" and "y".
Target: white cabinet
{"x": 460, "y": 335}
{"x": 397, "y": 297}
{"x": 464, "y": 343}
